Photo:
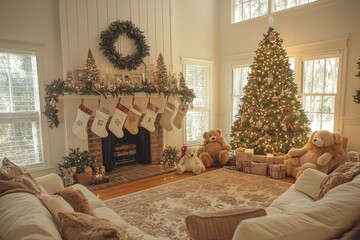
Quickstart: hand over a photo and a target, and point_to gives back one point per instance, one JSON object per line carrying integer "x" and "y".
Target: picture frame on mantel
{"x": 136, "y": 79}
{"x": 80, "y": 75}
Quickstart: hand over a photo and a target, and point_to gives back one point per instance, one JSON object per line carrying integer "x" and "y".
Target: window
{"x": 246, "y": 9}
{"x": 319, "y": 91}
{"x": 240, "y": 75}
{"x": 20, "y": 131}
{"x": 198, "y": 75}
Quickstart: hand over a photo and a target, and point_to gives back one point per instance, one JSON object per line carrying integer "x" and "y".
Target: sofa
{"x": 293, "y": 215}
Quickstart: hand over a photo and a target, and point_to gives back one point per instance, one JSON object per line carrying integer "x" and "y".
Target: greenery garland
{"x": 109, "y": 38}
{"x": 59, "y": 88}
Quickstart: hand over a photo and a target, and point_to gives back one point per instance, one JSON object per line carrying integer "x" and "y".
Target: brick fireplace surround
{"x": 156, "y": 142}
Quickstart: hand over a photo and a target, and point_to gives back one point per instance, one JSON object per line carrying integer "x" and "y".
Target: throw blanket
{"x": 343, "y": 174}
{"x": 12, "y": 186}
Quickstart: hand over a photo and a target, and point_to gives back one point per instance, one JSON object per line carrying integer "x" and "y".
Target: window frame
{"x": 210, "y": 65}
{"x": 13, "y": 46}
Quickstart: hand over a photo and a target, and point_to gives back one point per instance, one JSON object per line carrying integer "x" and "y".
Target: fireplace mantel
{"x": 68, "y": 106}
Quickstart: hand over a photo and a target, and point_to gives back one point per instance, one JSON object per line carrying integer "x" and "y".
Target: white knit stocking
{"x": 79, "y": 127}
{"x": 118, "y": 120}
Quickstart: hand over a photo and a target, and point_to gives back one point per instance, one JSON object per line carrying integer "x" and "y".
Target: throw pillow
{"x": 309, "y": 182}
{"x": 10, "y": 170}
{"x": 55, "y": 204}
{"x": 77, "y": 200}
{"x": 219, "y": 225}
{"x": 81, "y": 226}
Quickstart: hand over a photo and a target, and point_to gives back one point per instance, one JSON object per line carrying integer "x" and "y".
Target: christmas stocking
{"x": 165, "y": 120}
{"x": 79, "y": 127}
{"x": 182, "y": 109}
{"x": 133, "y": 118}
{"x": 118, "y": 120}
{"x": 99, "y": 125}
{"x": 150, "y": 116}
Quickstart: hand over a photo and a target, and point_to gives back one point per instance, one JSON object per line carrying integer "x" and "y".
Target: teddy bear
{"x": 323, "y": 151}
{"x": 190, "y": 162}
{"x": 214, "y": 149}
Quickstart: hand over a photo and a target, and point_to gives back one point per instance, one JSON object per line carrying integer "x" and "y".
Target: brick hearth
{"x": 156, "y": 142}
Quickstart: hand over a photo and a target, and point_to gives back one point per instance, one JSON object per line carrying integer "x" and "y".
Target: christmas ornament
{"x": 287, "y": 110}
{"x": 272, "y": 38}
{"x": 275, "y": 99}
{"x": 270, "y": 78}
{"x": 258, "y": 124}
{"x": 290, "y": 127}
{"x": 284, "y": 127}
{"x": 251, "y": 120}
{"x": 79, "y": 128}
{"x": 181, "y": 111}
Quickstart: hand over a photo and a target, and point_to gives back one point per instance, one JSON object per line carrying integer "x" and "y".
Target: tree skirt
{"x": 160, "y": 211}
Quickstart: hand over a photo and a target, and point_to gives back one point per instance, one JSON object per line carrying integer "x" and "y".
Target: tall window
{"x": 240, "y": 75}
{"x": 20, "y": 132}
{"x": 198, "y": 76}
{"x": 319, "y": 91}
{"x": 246, "y": 9}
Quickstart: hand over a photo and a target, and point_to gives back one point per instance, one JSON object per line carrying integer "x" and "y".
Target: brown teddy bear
{"x": 214, "y": 148}
{"x": 323, "y": 151}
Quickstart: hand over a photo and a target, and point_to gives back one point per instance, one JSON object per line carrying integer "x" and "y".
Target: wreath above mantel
{"x": 109, "y": 38}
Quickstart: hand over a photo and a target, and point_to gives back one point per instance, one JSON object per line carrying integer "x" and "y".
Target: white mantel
{"x": 69, "y": 105}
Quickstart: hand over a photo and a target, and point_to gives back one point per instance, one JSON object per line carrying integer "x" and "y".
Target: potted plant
{"x": 83, "y": 163}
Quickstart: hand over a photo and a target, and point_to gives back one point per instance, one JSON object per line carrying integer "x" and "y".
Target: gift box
{"x": 258, "y": 168}
{"x": 271, "y": 160}
{"x": 249, "y": 153}
{"x": 277, "y": 170}
{"x": 246, "y": 164}
{"x": 276, "y": 174}
{"x": 259, "y": 158}
{"x": 247, "y": 169}
{"x": 240, "y": 154}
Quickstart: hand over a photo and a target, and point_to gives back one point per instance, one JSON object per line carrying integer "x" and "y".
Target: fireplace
{"x": 128, "y": 149}
{"x": 142, "y": 148}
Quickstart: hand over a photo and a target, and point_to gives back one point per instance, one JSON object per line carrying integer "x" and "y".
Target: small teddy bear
{"x": 214, "y": 149}
{"x": 323, "y": 151}
{"x": 190, "y": 162}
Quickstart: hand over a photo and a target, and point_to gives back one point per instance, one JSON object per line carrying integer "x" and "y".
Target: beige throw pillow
{"x": 77, "y": 200}
{"x": 219, "y": 225}
{"x": 55, "y": 204}
{"x": 79, "y": 226}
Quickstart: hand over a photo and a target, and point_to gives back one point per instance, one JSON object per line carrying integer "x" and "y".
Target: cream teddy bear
{"x": 190, "y": 162}
{"x": 323, "y": 151}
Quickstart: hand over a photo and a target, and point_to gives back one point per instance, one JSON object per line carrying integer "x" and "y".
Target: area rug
{"x": 161, "y": 211}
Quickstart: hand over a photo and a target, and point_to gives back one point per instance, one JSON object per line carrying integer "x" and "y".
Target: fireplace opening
{"x": 130, "y": 149}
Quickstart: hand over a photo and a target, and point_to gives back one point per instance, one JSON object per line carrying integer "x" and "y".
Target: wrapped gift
{"x": 247, "y": 169}
{"x": 272, "y": 159}
{"x": 277, "y": 170}
{"x": 259, "y": 158}
{"x": 240, "y": 154}
{"x": 249, "y": 153}
{"x": 258, "y": 168}
{"x": 275, "y": 174}
{"x": 238, "y": 167}
{"x": 246, "y": 164}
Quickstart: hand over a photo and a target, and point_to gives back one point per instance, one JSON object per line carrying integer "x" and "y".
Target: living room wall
{"x": 326, "y": 20}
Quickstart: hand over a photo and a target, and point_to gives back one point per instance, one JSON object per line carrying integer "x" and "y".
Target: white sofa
{"x": 293, "y": 215}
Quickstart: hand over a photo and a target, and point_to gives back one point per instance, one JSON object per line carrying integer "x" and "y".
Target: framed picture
{"x": 80, "y": 77}
{"x": 136, "y": 79}
{"x": 119, "y": 78}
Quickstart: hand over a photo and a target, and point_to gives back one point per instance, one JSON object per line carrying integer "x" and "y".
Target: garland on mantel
{"x": 60, "y": 87}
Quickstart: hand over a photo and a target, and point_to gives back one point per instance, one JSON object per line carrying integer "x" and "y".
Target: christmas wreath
{"x": 109, "y": 38}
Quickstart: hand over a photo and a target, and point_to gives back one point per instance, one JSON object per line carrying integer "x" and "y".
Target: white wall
{"x": 325, "y": 21}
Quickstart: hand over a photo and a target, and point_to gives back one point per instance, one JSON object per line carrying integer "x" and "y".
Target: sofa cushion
{"x": 294, "y": 226}
{"x": 309, "y": 182}
{"x": 52, "y": 183}
{"x": 218, "y": 225}
{"x": 23, "y": 216}
{"x": 77, "y": 200}
{"x": 94, "y": 201}
{"x": 55, "y": 204}
{"x": 79, "y": 226}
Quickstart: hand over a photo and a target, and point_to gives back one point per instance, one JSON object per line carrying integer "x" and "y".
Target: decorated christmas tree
{"x": 92, "y": 74}
{"x": 160, "y": 73}
{"x": 169, "y": 157}
{"x": 357, "y": 92}
{"x": 270, "y": 118}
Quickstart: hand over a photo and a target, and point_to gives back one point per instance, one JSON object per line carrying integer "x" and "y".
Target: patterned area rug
{"x": 161, "y": 211}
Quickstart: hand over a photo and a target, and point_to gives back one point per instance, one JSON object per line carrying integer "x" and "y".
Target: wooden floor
{"x": 131, "y": 187}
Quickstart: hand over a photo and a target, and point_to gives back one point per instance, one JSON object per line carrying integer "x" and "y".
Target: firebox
{"x": 130, "y": 149}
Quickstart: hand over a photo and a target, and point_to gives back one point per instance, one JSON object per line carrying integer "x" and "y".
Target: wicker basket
{"x": 84, "y": 178}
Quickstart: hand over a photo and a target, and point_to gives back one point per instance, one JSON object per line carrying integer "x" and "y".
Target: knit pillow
{"x": 10, "y": 170}
{"x": 77, "y": 200}
{"x": 219, "y": 225}
{"x": 79, "y": 226}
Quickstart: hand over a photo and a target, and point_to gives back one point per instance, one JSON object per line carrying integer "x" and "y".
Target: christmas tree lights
{"x": 270, "y": 118}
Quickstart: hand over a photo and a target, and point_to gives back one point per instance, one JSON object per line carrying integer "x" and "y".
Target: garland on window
{"x": 109, "y": 38}
{"x": 60, "y": 87}
{"x": 357, "y": 92}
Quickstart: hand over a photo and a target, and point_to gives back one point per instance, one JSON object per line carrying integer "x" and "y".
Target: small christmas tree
{"x": 270, "y": 118}
{"x": 357, "y": 92}
{"x": 78, "y": 159}
{"x": 169, "y": 157}
{"x": 160, "y": 73}
{"x": 92, "y": 74}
